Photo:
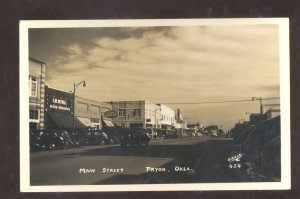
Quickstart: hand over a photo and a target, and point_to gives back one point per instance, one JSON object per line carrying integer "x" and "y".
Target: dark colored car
{"x": 239, "y": 140}
{"x": 135, "y": 138}
{"x": 50, "y": 139}
{"x": 97, "y": 138}
{"x": 169, "y": 134}
{"x": 262, "y": 151}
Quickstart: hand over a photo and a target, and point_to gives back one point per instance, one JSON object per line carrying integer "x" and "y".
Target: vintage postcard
{"x": 154, "y": 105}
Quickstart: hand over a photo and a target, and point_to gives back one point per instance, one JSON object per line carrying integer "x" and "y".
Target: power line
{"x": 220, "y": 102}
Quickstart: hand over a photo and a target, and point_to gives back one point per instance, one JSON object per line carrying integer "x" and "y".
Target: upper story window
{"x": 33, "y": 85}
{"x": 137, "y": 112}
{"x": 34, "y": 114}
{"x": 121, "y": 113}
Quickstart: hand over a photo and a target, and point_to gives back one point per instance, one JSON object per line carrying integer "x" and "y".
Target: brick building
{"x": 91, "y": 112}
{"x": 36, "y": 84}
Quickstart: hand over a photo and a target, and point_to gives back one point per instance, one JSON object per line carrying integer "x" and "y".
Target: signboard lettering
{"x": 110, "y": 114}
{"x": 59, "y": 104}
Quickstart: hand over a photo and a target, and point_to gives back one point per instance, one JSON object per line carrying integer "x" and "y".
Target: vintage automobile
{"x": 262, "y": 151}
{"x": 51, "y": 139}
{"x": 169, "y": 134}
{"x": 135, "y": 138}
{"x": 97, "y": 137}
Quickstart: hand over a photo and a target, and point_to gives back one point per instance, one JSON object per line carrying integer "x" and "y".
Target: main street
{"x": 185, "y": 160}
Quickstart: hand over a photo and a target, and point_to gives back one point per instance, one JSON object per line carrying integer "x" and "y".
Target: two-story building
{"x": 59, "y": 109}
{"x": 167, "y": 117}
{"x": 36, "y": 84}
{"x": 60, "y": 113}
{"x": 136, "y": 114}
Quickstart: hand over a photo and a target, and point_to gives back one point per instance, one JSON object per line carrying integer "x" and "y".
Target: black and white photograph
{"x": 154, "y": 105}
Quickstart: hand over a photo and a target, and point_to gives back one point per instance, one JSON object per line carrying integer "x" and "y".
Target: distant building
{"x": 167, "y": 117}
{"x": 36, "y": 80}
{"x": 194, "y": 127}
{"x": 136, "y": 114}
{"x": 256, "y": 118}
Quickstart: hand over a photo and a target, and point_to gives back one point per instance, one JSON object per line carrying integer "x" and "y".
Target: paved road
{"x": 163, "y": 161}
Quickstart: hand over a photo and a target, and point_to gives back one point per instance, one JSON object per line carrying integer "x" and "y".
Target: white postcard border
{"x": 285, "y": 183}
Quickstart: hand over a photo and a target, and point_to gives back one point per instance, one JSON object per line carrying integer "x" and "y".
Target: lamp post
{"x": 155, "y": 116}
{"x": 261, "y": 106}
{"x": 155, "y": 120}
{"x": 74, "y": 89}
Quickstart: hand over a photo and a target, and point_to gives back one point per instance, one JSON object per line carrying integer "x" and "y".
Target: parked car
{"x": 36, "y": 142}
{"x": 135, "y": 138}
{"x": 262, "y": 151}
{"x": 50, "y": 139}
{"x": 97, "y": 137}
{"x": 170, "y": 134}
{"x": 199, "y": 134}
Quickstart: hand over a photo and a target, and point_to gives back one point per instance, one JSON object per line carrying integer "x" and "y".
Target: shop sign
{"x": 59, "y": 104}
{"x": 110, "y": 114}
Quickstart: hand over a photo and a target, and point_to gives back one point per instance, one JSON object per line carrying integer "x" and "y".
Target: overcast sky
{"x": 166, "y": 64}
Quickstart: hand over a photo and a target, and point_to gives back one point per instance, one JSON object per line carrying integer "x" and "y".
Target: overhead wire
{"x": 220, "y": 102}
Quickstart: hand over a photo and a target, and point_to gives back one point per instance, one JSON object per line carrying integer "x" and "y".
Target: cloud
{"x": 175, "y": 64}
{"x": 183, "y": 54}
{"x": 73, "y": 49}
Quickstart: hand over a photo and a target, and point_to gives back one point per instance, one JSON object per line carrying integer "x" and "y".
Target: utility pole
{"x": 261, "y": 105}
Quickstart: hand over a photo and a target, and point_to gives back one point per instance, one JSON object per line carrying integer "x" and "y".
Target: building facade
{"x": 194, "y": 127}
{"x": 91, "y": 112}
{"x": 137, "y": 114}
{"x": 59, "y": 109}
{"x": 273, "y": 112}
{"x": 36, "y": 84}
{"x": 167, "y": 117}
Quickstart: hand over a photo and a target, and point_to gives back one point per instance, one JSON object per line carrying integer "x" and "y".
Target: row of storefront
{"x": 52, "y": 108}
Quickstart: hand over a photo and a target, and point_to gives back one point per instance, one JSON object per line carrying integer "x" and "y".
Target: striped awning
{"x": 86, "y": 121}
{"x": 108, "y": 123}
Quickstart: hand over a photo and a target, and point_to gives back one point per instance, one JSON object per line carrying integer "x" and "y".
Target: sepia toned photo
{"x": 154, "y": 105}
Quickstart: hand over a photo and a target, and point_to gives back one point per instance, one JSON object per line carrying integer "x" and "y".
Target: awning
{"x": 61, "y": 120}
{"x": 108, "y": 123}
{"x": 85, "y": 121}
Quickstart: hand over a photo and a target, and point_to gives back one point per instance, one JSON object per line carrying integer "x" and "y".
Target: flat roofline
{"x": 35, "y": 60}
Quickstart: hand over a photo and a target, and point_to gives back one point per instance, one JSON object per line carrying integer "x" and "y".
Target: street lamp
{"x": 74, "y": 89}
{"x": 155, "y": 120}
{"x": 261, "y": 106}
{"x": 158, "y": 109}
